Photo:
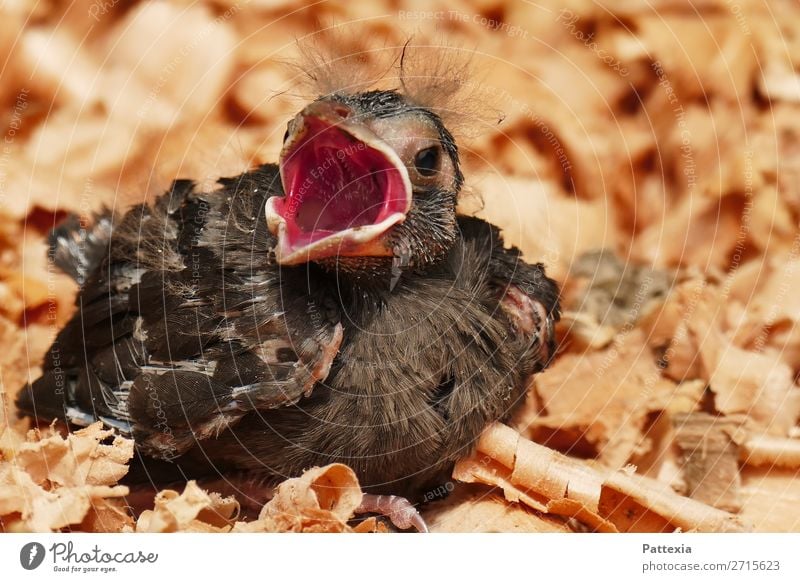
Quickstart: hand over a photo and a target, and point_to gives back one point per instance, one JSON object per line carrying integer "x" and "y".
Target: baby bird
{"x": 331, "y": 308}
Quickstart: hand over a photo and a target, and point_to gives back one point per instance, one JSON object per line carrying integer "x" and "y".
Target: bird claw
{"x": 398, "y": 509}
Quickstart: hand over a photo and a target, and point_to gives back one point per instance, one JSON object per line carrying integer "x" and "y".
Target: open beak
{"x": 344, "y": 189}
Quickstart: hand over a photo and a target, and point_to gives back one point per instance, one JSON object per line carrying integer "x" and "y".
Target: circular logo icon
{"x": 31, "y": 555}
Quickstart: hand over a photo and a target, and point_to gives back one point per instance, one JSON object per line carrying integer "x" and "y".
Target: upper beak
{"x": 344, "y": 188}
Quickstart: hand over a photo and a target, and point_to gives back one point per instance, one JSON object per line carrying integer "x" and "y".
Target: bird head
{"x": 369, "y": 180}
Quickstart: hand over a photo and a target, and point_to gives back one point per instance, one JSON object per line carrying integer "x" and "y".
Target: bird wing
{"x": 182, "y": 325}
{"x": 528, "y": 299}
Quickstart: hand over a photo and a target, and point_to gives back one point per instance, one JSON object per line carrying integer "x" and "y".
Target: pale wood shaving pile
{"x": 322, "y": 500}
{"x": 647, "y": 152}
{"x": 48, "y": 482}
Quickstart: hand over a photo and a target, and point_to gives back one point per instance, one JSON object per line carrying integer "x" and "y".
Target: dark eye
{"x": 427, "y": 161}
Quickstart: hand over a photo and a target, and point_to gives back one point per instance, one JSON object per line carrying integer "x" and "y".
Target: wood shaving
{"x": 48, "y": 482}
{"x": 193, "y": 510}
{"x": 771, "y": 451}
{"x": 604, "y": 500}
{"x": 770, "y": 498}
{"x": 476, "y": 509}
{"x": 709, "y": 459}
{"x": 597, "y": 403}
{"x": 604, "y": 296}
{"x": 323, "y": 499}
{"x": 756, "y": 384}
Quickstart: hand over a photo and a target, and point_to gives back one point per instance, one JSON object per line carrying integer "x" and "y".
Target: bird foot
{"x": 398, "y": 509}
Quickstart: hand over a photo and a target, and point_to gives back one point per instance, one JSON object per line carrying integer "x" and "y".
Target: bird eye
{"x": 426, "y": 162}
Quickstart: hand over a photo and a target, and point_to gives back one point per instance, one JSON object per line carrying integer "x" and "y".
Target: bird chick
{"x": 330, "y": 308}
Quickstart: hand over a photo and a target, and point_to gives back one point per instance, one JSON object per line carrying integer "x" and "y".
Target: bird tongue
{"x": 339, "y": 191}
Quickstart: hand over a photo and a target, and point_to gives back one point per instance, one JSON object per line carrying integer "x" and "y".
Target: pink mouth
{"x": 340, "y": 193}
